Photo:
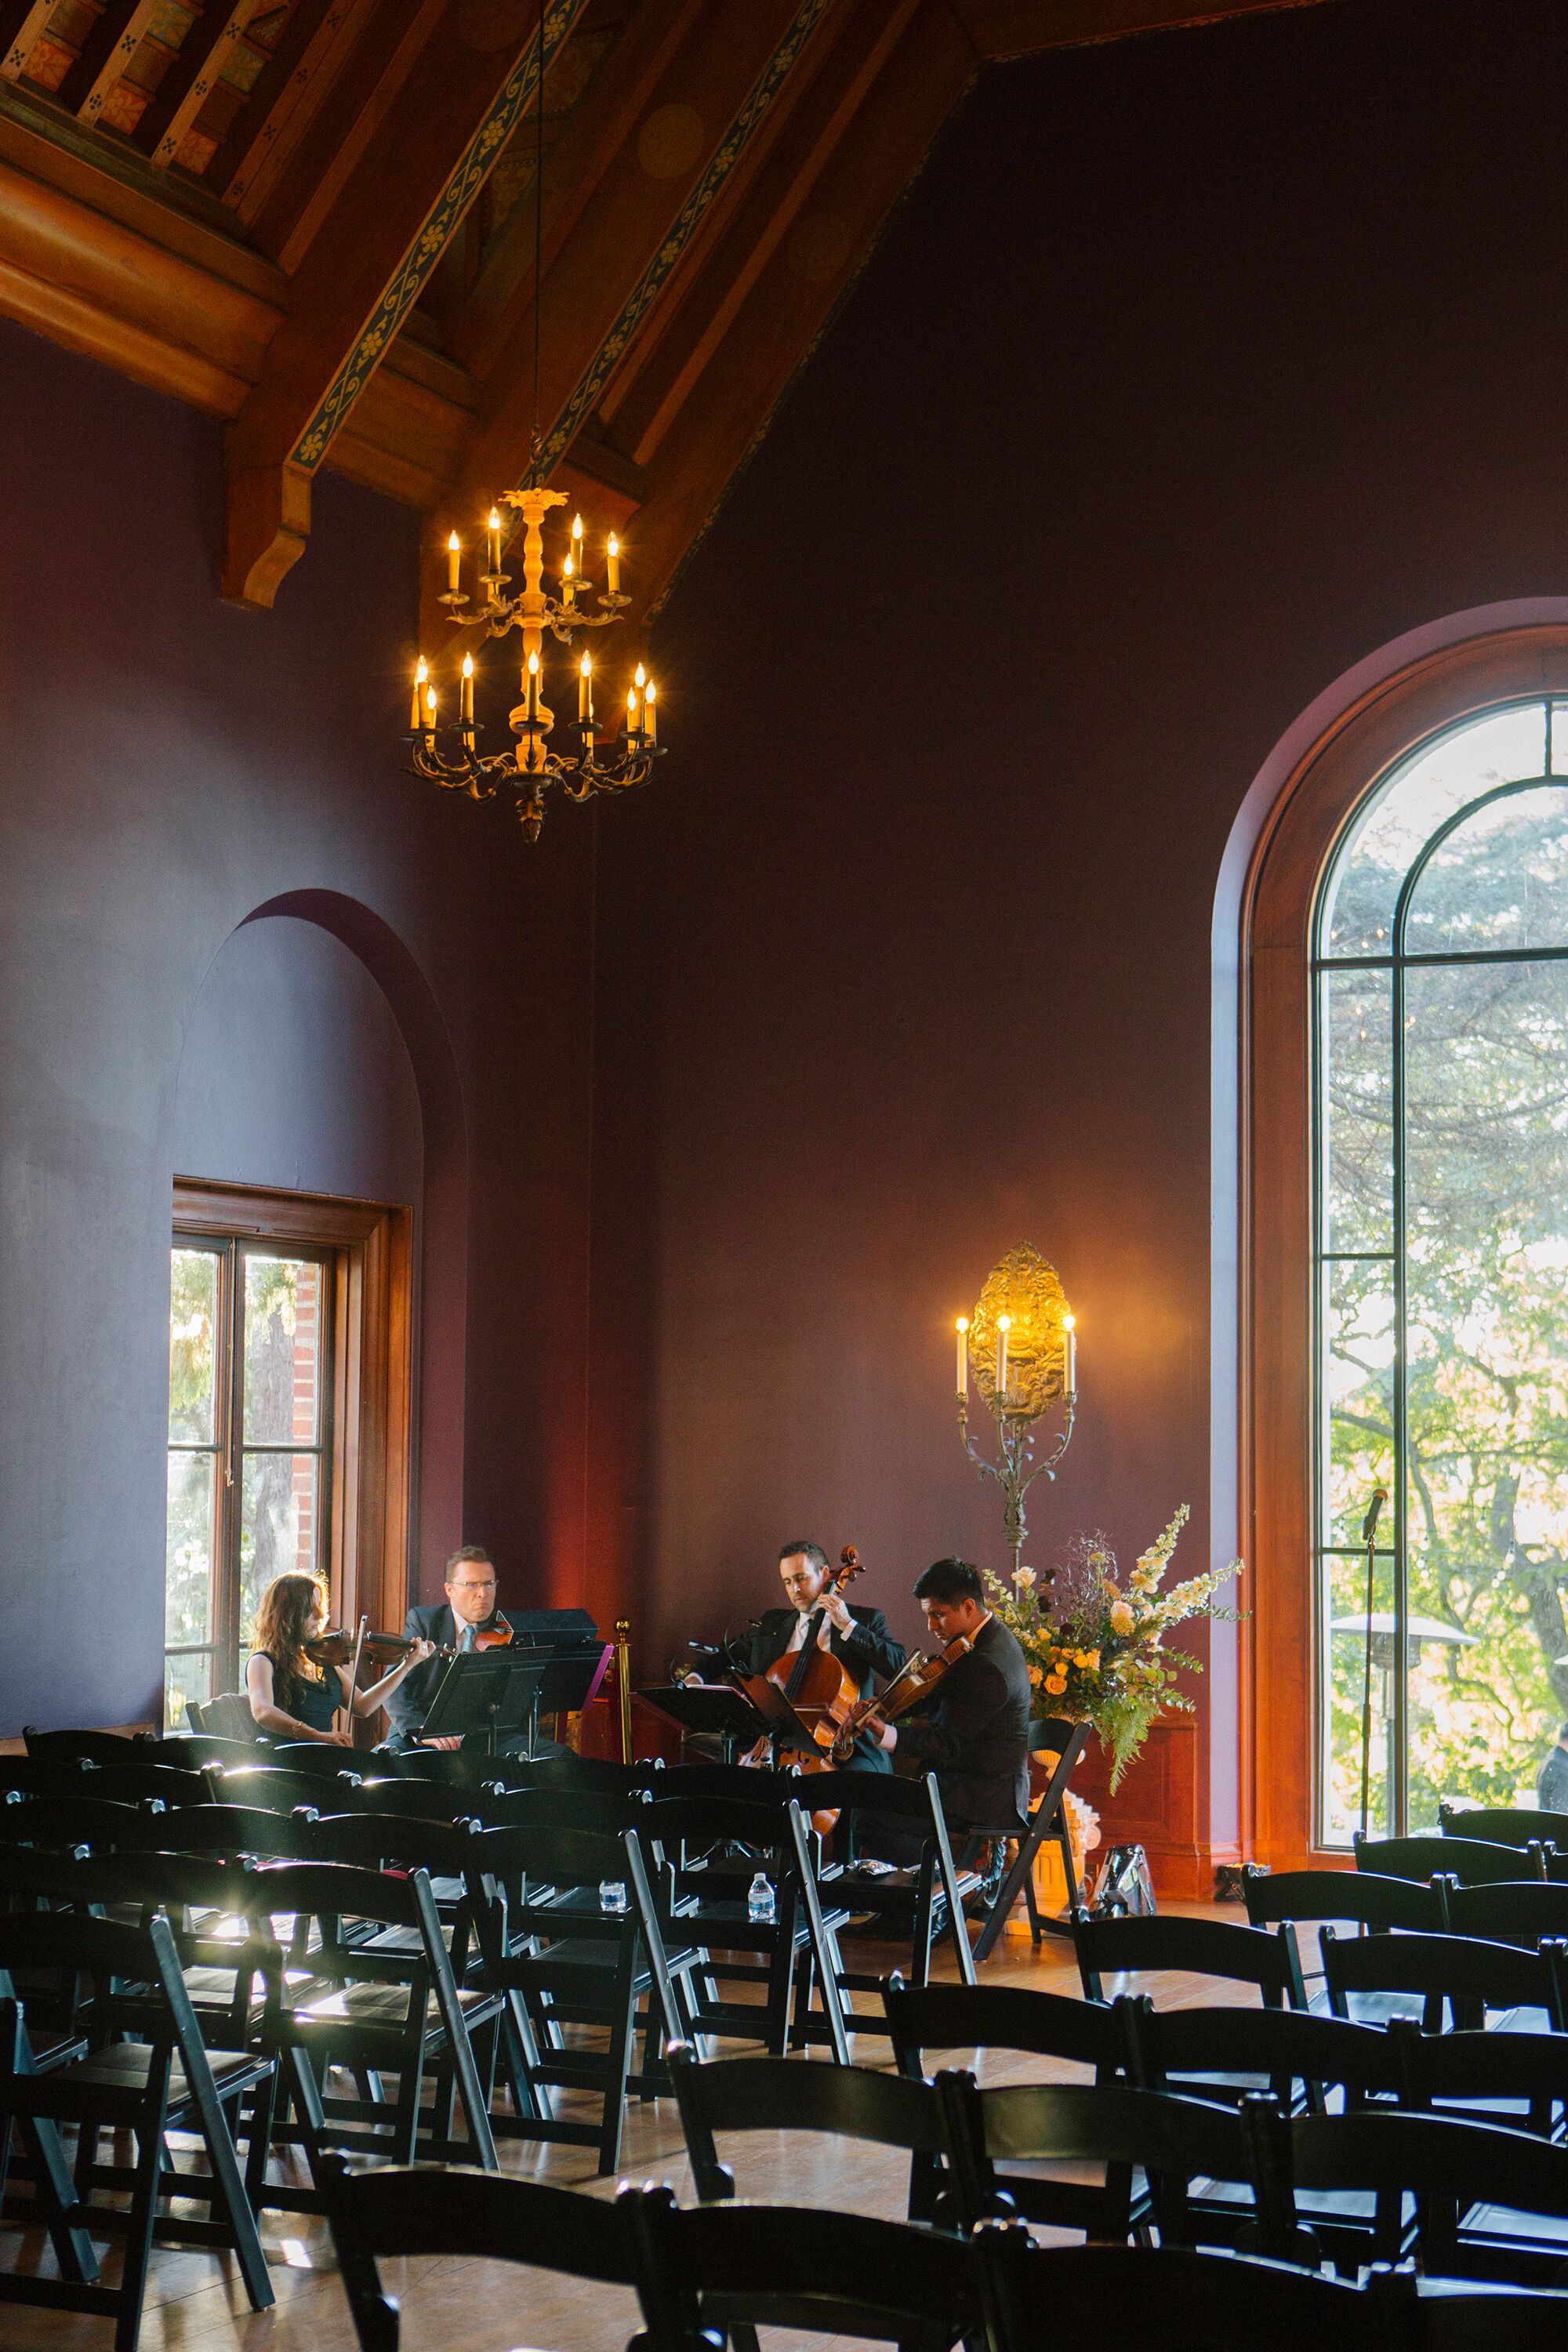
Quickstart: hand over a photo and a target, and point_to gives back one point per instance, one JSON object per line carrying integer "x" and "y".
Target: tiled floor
{"x": 195, "y": 2303}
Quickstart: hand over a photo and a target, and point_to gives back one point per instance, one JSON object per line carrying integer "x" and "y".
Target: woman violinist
{"x": 293, "y": 1697}
{"x": 857, "y": 1637}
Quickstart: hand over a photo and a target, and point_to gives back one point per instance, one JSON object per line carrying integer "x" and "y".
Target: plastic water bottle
{"x": 760, "y": 1901}
{"x": 612, "y": 1895}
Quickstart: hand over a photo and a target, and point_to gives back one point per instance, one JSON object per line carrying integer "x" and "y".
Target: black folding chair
{"x": 88, "y": 1747}
{"x": 745, "y": 2095}
{"x": 916, "y": 1904}
{"x": 603, "y": 1813}
{"x": 1302, "y": 2062}
{"x": 673, "y": 1833}
{"x": 1470, "y": 2183}
{"x": 1210, "y": 1948}
{"x": 1169, "y": 2299}
{"x": 726, "y": 2264}
{"x": 1473, "y": 1861}
{"x": 407, "y": 2211}
{"x": 1504, "y": 1824}
{"x": 1047, "y": 1819}
{"x": 169, "y": 2082}
{"x": 1511, "y": 1911}
{"x": 272, "y": 1789}
{"x": 375, "y": 2004}
{"x": 1306, "y": 1899}
{"x": 229, "y": 1716}
{"x": 1518, "y": 2080}
{"x": 212, "y": 1829}
{"x": 1173, "y": 2141}
{"x": 557, "y": 1962}
{"x": 1459, "y": 1972}
{"x": 977, "y": 2018}
{"x": 1003, "y": 2016}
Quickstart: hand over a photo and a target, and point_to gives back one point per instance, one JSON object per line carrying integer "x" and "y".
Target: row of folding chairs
{"x": 1371, "y": 2182}
{"x": 701, "y": 2271}
{"x": 559, "y": 1926}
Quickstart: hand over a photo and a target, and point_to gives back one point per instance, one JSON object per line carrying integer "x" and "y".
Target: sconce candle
{"x": 1004, "y": 1324}
{"x": 1069, "y": 1354}
{"x": 961, "y": 1326}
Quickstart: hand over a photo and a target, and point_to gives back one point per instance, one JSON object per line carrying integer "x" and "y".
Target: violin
{"x": 914, "y": 1680}
{"x": 497, "y": 1636}
{"x": 818, "y": 1686}
{"x": 336, "y": 1647}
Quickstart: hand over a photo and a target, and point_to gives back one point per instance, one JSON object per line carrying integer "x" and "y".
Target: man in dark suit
{"x": 973, "y": 1732}
{"x": 859, "y": 1638}
{"x": 468, "y": 1609}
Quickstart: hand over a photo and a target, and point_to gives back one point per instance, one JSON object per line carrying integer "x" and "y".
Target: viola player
{"x": 290, "y": 1696}
{"x": 468, "y": 1610}
{"x": 857, "y": 1637}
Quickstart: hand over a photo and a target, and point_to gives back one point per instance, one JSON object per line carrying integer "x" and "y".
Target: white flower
{"x": 1024, "y": 1579}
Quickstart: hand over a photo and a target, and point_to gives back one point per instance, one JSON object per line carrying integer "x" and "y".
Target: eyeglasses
{"x": 472, "y": 1584}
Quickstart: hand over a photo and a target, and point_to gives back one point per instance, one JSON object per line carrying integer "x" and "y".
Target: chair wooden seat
{"x": 126, "y": 2065}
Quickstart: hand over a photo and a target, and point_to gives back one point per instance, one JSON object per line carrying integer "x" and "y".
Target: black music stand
{"x": 1047, "y": 1817}
{"x": 720, "y": 1711}
{"x": 492, "y": 1691}
{"x": 566, "y": 1686}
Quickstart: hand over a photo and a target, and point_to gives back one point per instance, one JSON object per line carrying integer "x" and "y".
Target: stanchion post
{"x": 624, "y": 1684}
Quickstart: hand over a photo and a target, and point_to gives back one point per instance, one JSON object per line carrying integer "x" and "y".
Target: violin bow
{"x": 353, "y": 1674}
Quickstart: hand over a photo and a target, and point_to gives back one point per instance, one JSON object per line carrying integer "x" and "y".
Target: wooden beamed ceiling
{"x": 315, "y": 219}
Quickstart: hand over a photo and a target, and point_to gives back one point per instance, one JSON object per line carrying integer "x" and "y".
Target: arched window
{"x": 1439, "y": 1146}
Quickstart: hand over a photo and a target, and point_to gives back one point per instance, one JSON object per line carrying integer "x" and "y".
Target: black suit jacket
{"x": 975, "y": 1735}
{"x": 870, "y": 1649}
{"x": 410, "y": 1702}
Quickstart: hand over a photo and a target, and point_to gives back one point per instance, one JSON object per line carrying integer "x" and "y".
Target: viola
{"x": 914, "y": 1680}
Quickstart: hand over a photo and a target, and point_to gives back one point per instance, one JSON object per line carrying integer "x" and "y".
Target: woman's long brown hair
{"x": 282, "y": 1621}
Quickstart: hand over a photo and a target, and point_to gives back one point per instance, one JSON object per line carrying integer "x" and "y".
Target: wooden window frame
{"x": 371, "y": 1407}
{"x": 1319, "y": 802}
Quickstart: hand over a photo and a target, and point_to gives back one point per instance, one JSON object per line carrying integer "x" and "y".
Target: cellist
{"x": 857, "y": 1637}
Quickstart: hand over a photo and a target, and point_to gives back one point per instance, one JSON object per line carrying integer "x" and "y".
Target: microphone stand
{"x": 1369, "y": 1538}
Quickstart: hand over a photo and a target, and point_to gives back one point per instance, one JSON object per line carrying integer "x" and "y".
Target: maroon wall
{"x": 168, "y": 766}
{"x": 1195, "y": 368}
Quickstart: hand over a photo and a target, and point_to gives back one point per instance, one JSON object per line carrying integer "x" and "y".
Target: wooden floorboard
{"x": 196, "y": 2303}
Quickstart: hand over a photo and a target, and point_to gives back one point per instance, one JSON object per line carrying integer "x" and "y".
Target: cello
{"x": 818, "y": 1686}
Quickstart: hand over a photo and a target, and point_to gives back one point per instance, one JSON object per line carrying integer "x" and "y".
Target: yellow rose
{"x": 1122, "y": 1618}
{"x": 1056, "y": 1684}
{"x": 1037, "y": 1676}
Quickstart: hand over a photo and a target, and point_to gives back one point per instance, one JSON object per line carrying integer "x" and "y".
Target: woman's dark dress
{"x": 315, "y": 1704}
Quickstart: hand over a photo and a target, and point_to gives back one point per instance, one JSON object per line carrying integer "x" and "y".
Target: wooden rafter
{"x": 1001, "y": 29}
{"x": 688, "y": 328}
{"x": 360, "y": 278}
{"x": 779, "y": 322}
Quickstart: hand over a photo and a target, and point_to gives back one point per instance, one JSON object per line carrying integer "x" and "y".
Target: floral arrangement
{"x": 1095, "y": 1647}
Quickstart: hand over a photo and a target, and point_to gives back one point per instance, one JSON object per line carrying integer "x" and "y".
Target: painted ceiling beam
{"x": 714, "y": 110}
{"x": 361, "y": 277}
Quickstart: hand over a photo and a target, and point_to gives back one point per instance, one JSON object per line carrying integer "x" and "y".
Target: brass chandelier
{"x": 445, "y": 749}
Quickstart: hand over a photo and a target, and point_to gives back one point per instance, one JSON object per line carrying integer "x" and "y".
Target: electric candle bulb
{"x": 421, "y": 672}
{"x": 962, "y": 1328}
{"x": 494, "y": 528}
{"x": 631, "y": 710}
{"x": 1004, "y": 1324}
{"x": 465, "y": 708}
{"x": 534, "y": 686}
{"x": 454, "y": 563}
{"x": 613, "y": 557}
{"x": 430, "y": 708}
{"x": 585, "y": 688}
{"x": 577, "y": 540}
{"x": 650, "y": 712}
{"x": 568, "y": 581}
